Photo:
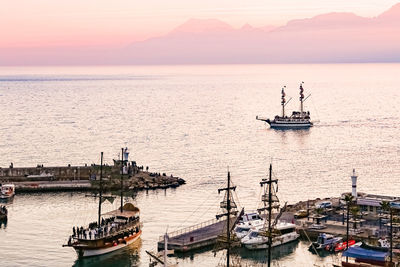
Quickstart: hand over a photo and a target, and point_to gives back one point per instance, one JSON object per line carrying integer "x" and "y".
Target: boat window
{"x": 239, "y": 229}
{"x": 254, "y": 234}
{"x": 286, "y": 231}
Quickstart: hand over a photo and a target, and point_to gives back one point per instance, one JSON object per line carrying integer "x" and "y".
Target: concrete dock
{"x": 78, "y": 178}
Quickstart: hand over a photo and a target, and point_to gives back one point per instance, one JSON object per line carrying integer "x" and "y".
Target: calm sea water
{"x": 193, "y": 122}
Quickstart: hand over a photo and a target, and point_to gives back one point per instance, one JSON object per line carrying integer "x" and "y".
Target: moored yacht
{"x": 7, "y": 191}
{"x": 258, "y": 239}
{"x": 298, "y": 119}
{"x": 274, "y": 232}
{"x": 248, "y": 221}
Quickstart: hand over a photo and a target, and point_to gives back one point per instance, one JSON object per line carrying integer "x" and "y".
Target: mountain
{"x": 332, "y": 37}
{"x": 327, "y": 38}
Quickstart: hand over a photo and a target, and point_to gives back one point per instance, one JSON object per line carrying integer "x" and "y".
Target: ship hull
{"x": 287, "y": 238}
{"x": 287, "y": 125}
{"x": 90, "y": 252}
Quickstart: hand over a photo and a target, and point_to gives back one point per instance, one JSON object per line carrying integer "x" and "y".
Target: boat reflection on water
{"x": 127, "y": 256}
{"x": 260, "y": 256}
{"x": 256, "y": 256}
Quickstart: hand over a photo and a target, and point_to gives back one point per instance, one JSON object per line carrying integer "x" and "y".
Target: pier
{"x": 196, "y": 236}
{"x": 80, "y": 178}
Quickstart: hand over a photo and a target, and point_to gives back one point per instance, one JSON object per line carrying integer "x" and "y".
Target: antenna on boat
{"x": 122, "y": 172}
{"x": 301, "y": 98}
{"x": 283, "y": 101}
{"x": 101, "y": 186}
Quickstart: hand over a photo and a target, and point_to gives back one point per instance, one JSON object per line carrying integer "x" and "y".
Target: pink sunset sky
{"x": 35, "y": 23}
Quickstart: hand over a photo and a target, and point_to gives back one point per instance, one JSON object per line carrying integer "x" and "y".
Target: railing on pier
{"x": 190, "y": 229}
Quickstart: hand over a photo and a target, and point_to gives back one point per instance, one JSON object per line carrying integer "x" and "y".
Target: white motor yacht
{"x": 257, "y": 240}
{"x": 248, "y": 221}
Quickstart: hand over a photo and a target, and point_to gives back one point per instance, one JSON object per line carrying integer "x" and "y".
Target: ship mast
{"x": 228, "y": 208}
{"x": 301, "y": 98}
{"x": 101, "y": 187}
{"x": 269, "y": 183}
{"x": 122, "y": 172}
{"x": 283, "y": 101}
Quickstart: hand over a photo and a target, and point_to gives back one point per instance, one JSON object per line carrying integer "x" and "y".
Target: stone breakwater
{"x": 76, "y": 178}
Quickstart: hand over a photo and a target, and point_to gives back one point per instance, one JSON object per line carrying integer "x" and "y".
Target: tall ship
{"x": 298, "y": 119}
{"x": 113, "y": 230}
{"x": 274, "y": 232}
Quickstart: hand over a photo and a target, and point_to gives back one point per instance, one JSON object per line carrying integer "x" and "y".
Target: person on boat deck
{"x": 90, "y": 234}
{"x": 73, "y": 231}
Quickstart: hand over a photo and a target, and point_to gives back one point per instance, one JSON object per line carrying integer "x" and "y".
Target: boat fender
{"x": 114, "y": 243}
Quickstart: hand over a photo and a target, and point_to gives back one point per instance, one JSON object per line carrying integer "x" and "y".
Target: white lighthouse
{"x": 354, "y": 185}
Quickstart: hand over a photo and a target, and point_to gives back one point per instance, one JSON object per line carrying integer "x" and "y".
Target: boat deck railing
{"x": 118, "y": 229}
{"x": 190, "y": 229}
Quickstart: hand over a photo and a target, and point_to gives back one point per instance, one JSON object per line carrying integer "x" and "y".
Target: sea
{"x": 197, "y": 122}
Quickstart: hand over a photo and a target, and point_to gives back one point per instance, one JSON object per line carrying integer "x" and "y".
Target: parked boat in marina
{"x": 298, "y": 119}
{"x": 279, "y": 231}
{"x": 7, "y": 191}
{"x": 113, "y": 230}
{"x": 325, "y": 240}
{"x": 285, "y": 233}
{"x": 248, "y": 221}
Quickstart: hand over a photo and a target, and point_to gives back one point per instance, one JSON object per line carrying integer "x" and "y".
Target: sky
{"x": 41, "y": 23}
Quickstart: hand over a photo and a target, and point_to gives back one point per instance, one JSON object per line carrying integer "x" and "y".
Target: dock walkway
{"x": 196, "y": 236}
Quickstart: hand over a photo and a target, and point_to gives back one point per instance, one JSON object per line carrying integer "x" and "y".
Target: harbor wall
{"x": 78, "y": 178}
{"x": 55, "y": 173}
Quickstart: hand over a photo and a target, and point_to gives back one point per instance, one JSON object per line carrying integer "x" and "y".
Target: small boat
{"x": 248, "y": 221}
{"x": 3, "y": 212}
{"x": 325, "y": 240}
{"x": 285, "y": 233}
{"x": 360, "y": 257}
{"x": 298, "y": 120}
{"x": 7, "y": 191}
{"x": 341, "y": 246}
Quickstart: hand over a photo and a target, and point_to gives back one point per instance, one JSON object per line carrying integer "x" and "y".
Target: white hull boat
{"x": 255, "y": 240}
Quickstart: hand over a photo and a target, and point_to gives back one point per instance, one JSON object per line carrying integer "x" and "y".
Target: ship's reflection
{"x": 259, "y": 256}
{"x": 128, "y": 256}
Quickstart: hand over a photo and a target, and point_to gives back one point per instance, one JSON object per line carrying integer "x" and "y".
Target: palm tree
{"x": 385, "y": 206}
{"x": 355, "y": 211}
{"x": 318, "y": 211}
{"x": 349, "y": 201}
